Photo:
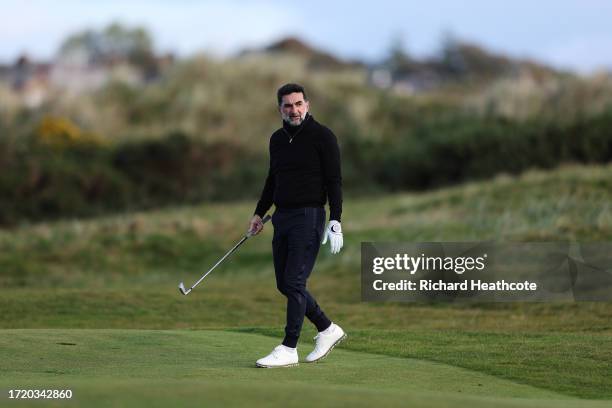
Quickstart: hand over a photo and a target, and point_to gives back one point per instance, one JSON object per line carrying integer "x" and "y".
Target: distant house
{"x": 416, "y": 81}
{"x": 29, "y": 79}
{"x": 75, "y": 72}
{"x": 78, "y": 71}
{"x": 458, "y": 63}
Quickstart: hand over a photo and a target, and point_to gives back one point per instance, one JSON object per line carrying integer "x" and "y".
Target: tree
{"x": 112, "y": 43}
{"x": 399, "y": 60}
{"x": 451, "y": 55}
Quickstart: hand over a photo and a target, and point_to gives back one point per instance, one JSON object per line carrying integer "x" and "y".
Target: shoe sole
{"x": 328, "y": 351}
{"x": 279, "y": 366}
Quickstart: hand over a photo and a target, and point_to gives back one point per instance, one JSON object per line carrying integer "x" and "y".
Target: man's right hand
{"x": 255, "y": 226}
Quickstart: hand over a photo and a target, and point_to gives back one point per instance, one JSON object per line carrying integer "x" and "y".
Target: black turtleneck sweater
{"x": 304, "y": 169}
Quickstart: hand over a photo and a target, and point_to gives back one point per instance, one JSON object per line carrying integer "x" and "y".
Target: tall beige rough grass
{"x": 563, "y": 98}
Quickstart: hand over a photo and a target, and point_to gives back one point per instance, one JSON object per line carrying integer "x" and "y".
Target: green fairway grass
{"x": 143, "y": 367}
{"x": 73, "y": 281}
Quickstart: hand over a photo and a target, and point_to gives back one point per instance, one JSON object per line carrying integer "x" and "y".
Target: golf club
{"x": 185, "y": 291}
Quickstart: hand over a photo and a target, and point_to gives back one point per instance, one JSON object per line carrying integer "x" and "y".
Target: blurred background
{"x": 111, "y": 106}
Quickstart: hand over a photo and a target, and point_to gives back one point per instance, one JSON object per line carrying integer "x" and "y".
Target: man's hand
{"x": 255, "y": 226}
{"x": 334, "y": 233}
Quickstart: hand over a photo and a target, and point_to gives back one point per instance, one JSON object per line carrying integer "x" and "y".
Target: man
{"x": 304, "y": 173}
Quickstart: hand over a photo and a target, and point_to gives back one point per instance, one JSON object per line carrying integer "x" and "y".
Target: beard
{"x": 294, "y": 121}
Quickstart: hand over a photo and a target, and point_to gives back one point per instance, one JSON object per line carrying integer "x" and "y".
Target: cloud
{"x": 183, "y": 26}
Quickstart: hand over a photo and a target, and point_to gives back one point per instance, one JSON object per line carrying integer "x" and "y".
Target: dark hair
{"x": 289, "y": 89}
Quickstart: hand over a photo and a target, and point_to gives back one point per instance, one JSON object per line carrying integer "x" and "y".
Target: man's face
{"x": 293, "y": 108}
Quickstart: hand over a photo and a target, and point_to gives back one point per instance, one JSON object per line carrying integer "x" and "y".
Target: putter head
{"x": 182, "y": 289}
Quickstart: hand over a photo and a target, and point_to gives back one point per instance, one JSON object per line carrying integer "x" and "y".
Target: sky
{"x": 569, "y": 34}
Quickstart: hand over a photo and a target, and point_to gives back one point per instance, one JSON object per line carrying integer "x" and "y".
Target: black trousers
{"x": 295, "y": 246}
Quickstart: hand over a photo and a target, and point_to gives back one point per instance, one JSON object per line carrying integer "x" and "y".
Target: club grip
{"x": 265, "y": 219}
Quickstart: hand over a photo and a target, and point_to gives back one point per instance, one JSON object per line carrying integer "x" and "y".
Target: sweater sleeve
{"x": 333, "y": 174}
{"x": 265, "y": 201}
{"x": 267, "y": 194}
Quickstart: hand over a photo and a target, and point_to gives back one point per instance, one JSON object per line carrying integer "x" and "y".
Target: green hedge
{"x": 39, "y": 182}
{"x": 460, "y": 148}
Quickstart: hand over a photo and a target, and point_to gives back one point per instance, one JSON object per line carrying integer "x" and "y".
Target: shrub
{"x": 60, "y": 133}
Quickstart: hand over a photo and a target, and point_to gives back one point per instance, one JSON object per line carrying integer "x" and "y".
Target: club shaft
{"x": 247, "y": 236}
{"x": 220, "y": 260}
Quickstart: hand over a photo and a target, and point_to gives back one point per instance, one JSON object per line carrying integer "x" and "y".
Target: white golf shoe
{"x": 281, "y": 356}
{"x": 325, "y": 342}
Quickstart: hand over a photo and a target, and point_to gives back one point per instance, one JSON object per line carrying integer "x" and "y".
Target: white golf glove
{"x": 334, "y": 233}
